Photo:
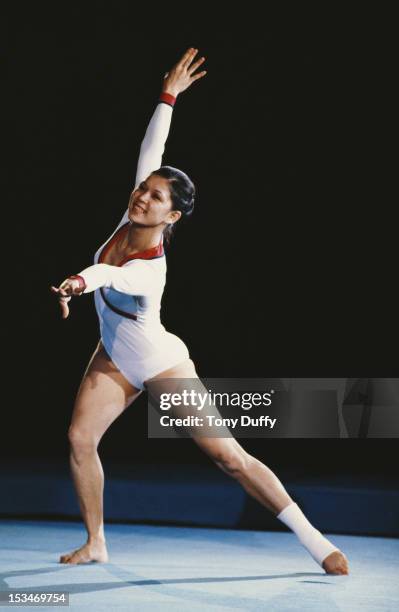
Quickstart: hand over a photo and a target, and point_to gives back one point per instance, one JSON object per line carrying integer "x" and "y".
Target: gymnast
{"x": 128, "y": 278}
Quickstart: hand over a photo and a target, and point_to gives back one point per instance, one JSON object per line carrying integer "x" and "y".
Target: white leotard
{"x": 140, "y": 347}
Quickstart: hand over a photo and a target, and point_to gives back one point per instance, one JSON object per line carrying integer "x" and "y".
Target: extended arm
{"x": 138, "y": 277}
{"x": 153, "y": 145}
{"x": 175, "y": 82}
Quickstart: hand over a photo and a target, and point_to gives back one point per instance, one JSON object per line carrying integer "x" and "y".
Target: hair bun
{"x": 182, "y": 191}
{"x": 191, "y": 205}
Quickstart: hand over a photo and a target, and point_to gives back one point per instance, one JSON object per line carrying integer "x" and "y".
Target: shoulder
{"x": 152, "y": 267}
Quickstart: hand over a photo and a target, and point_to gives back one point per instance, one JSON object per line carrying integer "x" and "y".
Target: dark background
{"x": 287, "y": 267}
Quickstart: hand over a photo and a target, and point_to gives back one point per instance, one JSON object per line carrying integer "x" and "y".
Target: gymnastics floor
{"x": 162, "y": 568}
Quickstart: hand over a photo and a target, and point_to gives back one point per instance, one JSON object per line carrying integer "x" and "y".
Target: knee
{"x": 81, "y": 441}
{"x": 235, "y": 463}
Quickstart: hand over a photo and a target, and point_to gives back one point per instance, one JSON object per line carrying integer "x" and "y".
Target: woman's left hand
{"x": 182, "y": 74}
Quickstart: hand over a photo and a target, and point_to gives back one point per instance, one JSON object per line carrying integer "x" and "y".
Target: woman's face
{"x": 151, "y": 204}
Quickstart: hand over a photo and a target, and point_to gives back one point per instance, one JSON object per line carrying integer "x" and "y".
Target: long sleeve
{"x": 153, "y": 145}
{"x": 138, "y": 277}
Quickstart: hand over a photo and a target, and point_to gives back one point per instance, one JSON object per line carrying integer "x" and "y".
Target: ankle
{"x": 98, "y": 538}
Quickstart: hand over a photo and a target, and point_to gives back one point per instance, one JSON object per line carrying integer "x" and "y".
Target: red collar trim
{"x": 157, "y": 251}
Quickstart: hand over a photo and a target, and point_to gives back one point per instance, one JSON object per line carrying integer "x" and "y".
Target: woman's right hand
{"x": 65, "y": 291}
{"x": 182, "y": 74}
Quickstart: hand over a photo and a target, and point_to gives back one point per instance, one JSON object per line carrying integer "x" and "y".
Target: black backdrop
{"x": 287, "y": 267}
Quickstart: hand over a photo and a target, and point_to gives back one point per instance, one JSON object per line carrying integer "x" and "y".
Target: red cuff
{"x": 82, "y": 282}
{"x": 167, "y": 98}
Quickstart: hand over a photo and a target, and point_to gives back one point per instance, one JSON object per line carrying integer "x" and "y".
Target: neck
{"x": 140, "y": 238}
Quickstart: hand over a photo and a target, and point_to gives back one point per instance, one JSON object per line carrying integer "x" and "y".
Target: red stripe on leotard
{"x": 152, "y": 253}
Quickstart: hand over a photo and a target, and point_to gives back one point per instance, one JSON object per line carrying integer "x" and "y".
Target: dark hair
{"x": 182, "y": 192}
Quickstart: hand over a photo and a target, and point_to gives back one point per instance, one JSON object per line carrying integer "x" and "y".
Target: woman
{"x": 128, "y": 278}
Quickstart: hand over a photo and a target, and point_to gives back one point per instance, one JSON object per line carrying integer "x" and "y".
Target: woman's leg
{"x": 103, "y": 395}
{"x": 255, "y": 477}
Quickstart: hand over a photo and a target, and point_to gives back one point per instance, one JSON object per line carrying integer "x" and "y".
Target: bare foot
{"x": 336, "y": 563}
{"x": 93, "y": 551}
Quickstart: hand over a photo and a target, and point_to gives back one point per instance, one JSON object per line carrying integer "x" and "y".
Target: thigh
{"x": 185, "y": 369}
{"x": 171, "y": 382}
{"x": 213, "y": 440}
{"x": 103, "y": 395}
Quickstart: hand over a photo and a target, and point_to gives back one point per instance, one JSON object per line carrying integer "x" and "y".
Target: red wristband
{"x": 82, "y": 282}
{"x": 167, "y": 98}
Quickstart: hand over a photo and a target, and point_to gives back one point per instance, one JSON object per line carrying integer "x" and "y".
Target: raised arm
{"x": 153, "y": 145}
{"x": 175, "y": 82}
{"x": 136, "y": 279}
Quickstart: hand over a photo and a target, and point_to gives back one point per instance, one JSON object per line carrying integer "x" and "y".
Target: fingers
{"x": 188, "y": 57}
{"x": 198, "y": 76}
{"x": 64, "y": 306}
{"x": 61, "y": 292}
{"x": 65, "y": 288}
{"x": 63, "y": 301}
{"x": 64, "y": 309}
{"x": 194, "y": 67}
